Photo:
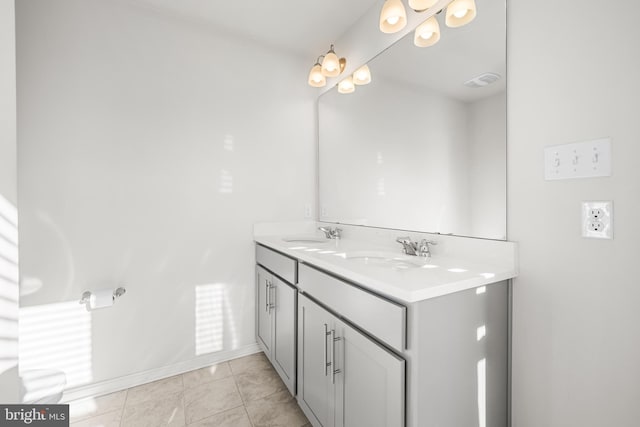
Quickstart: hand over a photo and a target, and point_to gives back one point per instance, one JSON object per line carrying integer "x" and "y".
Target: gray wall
{"x": 8, "y": 212}
{"x": 573, "y": 75}
{"x": 148, "y": 149}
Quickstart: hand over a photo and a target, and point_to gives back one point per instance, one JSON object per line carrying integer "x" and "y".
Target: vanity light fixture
{"x": 428, "y": 33}
{"x": 347, "y": 85}
{"x": 331, "y": 65}
{"x": 316, "y": 78}
{"x": 393, "y": 16}
{"x": 362, "y": 76}
{"x": 327, "y": 65}
{"x": 460, "y": 12}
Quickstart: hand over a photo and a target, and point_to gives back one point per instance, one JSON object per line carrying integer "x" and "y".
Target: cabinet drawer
{"x": 278, "y": 264}
{"x": 381, "y": 318}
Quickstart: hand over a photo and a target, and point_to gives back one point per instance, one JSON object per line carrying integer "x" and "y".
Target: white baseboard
{"x": 121, "y": 383}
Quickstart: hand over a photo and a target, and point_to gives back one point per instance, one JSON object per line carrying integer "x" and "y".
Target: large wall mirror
{"x": 417, "y": 149}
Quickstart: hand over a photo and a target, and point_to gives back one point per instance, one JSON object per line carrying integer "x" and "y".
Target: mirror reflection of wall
{"x": 416, "y": 149}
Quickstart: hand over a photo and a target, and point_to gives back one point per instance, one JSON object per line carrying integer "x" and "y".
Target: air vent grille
{"x": 482, "y": 80}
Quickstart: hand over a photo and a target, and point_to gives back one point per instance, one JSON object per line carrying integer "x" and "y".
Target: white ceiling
{"x": 298, "y": 26}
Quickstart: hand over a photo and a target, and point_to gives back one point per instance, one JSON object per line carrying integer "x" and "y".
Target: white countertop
{"x": 427, "y": 278}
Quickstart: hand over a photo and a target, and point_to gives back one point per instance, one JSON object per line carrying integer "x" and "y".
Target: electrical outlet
{"x": 595, "y": 213}
{"x": 307, "y": 210}
{"x": 596, "y": 226}
{"x": 597, "y": 219}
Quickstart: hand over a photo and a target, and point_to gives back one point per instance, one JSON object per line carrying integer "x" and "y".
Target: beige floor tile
{"x": 109, "y": 419}
{"x": 256, "y": 383}
{"x": 236, "y": 417}
{"x": 211, "y": 398}
{"x": 249, "y": 363}
{"x": 166, "y": 411}
{"x": 277, "y": 410}
{"x": 205, "y": 375}
{"x": 92, "y": 407}
{"x": 156, "y": 390}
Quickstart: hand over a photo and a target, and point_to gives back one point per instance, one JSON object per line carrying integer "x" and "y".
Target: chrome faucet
{"x": 414, "y": 248}
{"x": 331, "y": 233}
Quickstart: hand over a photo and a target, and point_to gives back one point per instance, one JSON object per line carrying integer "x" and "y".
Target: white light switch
{"x": 585, "y": 159}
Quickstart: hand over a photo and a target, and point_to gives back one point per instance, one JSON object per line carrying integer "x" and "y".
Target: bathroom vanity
{"x": 363, "y": 334}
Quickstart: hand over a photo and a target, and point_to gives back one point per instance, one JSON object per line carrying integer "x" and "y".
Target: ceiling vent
{"x": 484, "y": 79}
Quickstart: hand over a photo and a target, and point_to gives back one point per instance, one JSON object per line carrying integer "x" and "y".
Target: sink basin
{"x": 385, "y": 260}
{"x": 304, "y": 239}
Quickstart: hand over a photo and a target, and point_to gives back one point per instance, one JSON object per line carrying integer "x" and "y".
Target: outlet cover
{"x": 597, "y": 219}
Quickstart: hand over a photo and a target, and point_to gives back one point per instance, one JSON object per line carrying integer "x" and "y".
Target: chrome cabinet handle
{"x": 333, "y": 356}
{"x": 266, "y": 295}
{"x": 272, "y": 304}
{"x": 326, "y": 363}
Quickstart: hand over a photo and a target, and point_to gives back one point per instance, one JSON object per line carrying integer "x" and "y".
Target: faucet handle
{"x": 408, "y": 247}
{"x": 331, "y": 233}
{"x": 326, "y": 231}
{"x": 423, "y": 248}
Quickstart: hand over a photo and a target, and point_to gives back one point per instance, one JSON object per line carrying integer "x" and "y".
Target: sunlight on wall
{"x": 57, "y": 337}
{"x": 226, "y": 182}
{"x": 482, "y": 393}
{"x": 209, "y": 318}
{"x": 228, "y": 142}
{"x": 380, "y": 187}
{"x": 481, "y": 332}
{"x": 212, "y": 314}
{"x": 8, "y": 285}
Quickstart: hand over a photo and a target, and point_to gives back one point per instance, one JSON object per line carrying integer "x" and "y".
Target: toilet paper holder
{"x": 86, "y": 296}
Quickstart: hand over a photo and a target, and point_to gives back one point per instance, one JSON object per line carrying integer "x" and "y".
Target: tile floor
{"x": 244, "y": 392}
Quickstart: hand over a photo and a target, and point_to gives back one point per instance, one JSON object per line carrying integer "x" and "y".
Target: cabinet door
{"x": 263, "y": 308}
{"x": 370, "y": 382}
{"x": 284, "y": 332}
{"x": 315, "y": 390}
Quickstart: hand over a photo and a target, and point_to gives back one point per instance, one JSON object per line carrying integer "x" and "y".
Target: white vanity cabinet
{"x": 373, "y": 350}
{"x": 276, "y": 302}
{"x": 345, "y": 378}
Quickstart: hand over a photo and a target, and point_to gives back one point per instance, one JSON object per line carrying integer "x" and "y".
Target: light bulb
{"x": 346, "y": 85}
{"x": 460, "y": 12}
{"x": 428, "y": 33}
{"x": 331, "y": 64}
{"x": 393, "y": 20}
{"x": 362, "y": 76}
{"x": 393, "y": 16}
{"x": 316, "y": 79}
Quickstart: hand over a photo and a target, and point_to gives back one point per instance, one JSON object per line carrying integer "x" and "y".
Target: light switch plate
{"x": 584, "y": 159}
{"x": 597, "y": 219}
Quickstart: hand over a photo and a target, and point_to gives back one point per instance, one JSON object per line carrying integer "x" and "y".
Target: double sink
{"x": 382, "y": 259}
